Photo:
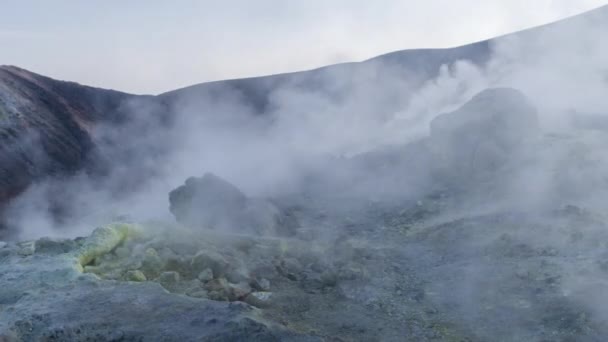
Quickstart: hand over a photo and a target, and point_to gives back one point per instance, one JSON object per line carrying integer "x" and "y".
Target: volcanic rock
{"x": 211, "y": 202}
{"x": 483, "y": 135}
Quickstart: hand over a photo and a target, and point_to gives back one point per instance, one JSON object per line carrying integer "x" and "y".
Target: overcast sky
{"x": 146, "y": 46}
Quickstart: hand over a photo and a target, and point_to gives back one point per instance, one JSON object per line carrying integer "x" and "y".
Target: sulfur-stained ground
{"x": 500, "y": 276}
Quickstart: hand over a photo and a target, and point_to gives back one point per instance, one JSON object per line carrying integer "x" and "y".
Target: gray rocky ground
{"x": 478, "y": 278}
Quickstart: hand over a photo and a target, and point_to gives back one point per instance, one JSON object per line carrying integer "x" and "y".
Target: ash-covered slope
{"x": 415, "y": 66}
{"x": 338, "y": 81}
{"x": 47, "y": 126}
{"x": 50, "y": 129}
{"x": 54, "y": 128}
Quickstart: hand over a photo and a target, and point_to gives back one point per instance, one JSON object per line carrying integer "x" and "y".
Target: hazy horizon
{"x": 154, "y": 47}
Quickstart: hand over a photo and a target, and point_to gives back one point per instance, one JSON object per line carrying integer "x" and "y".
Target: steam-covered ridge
{"x": 62, "y": 117}
{"x": 418, "y": 65}
{"x": 47, "y": 126}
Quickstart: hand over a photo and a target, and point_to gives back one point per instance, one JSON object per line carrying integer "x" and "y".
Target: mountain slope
{"x": 416, "y": 66}
{"x": 338, "y": 81}
{"x": 54, "y": 128}
{"x": 45, "y": 126}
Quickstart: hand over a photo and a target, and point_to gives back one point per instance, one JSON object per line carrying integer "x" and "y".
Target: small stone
{"x": 218, "y": 295}
{"x": 112, "y": 275}
{"x": 258, "y": 299}
{"x": 549, "y": 251}
{"x": 199, "y": 294}
{"x": 262, "y": 284}
{"x": 193, "y": 286}
{"x": 10, "y": 337}
{"x": 169, "y": 278}
{"x": 221, "y": 289}
{"x": 239, "y": 291}
{"x": 209, "y": 259}
{"x": 50, "y": 246}
{"x": 135, "y": 275}
{"x": 178, "y": 265}
{"x": 329, "y": 279}
{"x": 105, "y": 258}
{"x": 349, "y": 273}
{"x": 122, "y": 252}
{"x": 292, "y": 265}
{"x": 237, "y": 276}
{"x": 27, "y": 248}
{"x": 152, "y": 264}
{"x": 151, "y": 253}
{"x": 92, "y": 269}
{"x": 206, "y": 275}
{"x": 262, "y": 295}
{"x": 220, "y": 284}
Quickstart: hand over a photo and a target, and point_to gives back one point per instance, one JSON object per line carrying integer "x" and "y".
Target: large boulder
{"x": 207, "y": 201}
{"x": 482, "y": 136}
{"x": 211, "y": 202}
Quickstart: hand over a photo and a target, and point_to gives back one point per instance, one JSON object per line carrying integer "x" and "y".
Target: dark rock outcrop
{"x": 47, "y": 127}
{"x": 211, "y": 202}
{"x": 482, "y": 136}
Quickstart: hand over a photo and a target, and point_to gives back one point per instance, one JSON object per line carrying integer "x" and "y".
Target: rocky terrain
{"x": 48, "y": 129}
{"x": 487, "y": 226}
{"x": 47, "y": 125}
{"x": 437, "y": 269}
{"x": 53, "y": 128}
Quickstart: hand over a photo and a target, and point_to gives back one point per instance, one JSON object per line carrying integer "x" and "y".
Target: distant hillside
{"x": 46, "y": 126}
{"x": 50, "y": 127}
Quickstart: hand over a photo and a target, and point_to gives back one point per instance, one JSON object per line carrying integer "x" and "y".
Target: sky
{"x": 150, "y": 46}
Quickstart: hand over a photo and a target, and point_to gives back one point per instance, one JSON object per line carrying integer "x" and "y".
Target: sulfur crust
{"x": 103, "y": 240}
